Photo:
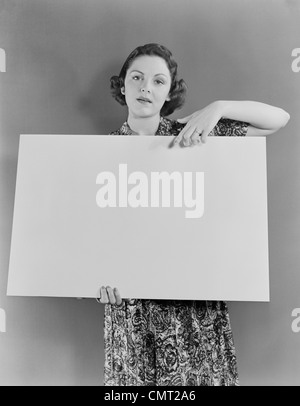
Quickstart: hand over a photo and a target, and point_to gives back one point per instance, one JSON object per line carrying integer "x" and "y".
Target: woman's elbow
{"x": 284, "y": 118}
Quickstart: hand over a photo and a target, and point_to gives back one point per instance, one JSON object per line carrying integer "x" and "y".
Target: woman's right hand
{"x": 110, "y": 296}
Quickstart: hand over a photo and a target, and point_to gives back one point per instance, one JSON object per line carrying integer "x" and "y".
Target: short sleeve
{"x": 230, "y": 128}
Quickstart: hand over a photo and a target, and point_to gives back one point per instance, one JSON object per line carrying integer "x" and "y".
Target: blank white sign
{"x": 65, "y": 244}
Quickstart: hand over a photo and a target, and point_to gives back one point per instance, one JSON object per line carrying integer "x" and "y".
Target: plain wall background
{"x": 60, "y": 55}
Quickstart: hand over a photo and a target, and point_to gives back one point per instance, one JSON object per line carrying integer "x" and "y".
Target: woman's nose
{"x": 145, "y": 88}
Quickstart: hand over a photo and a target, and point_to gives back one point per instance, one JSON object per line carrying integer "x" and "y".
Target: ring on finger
{"x": 197, "y": 139}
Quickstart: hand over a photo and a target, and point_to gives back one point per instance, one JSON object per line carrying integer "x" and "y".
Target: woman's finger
{"x": 195, "y": 138}
{"x": 103, "y": 295}
{"x": 186, "y": 139}
{"x": 204, "y": 135}
{"x": 192, "y": 137}
{"x": 111, "y": 296}
{"x": 182, "y": 133}
{"x": 117, "y": 296}
{"x": 185, "y": 135}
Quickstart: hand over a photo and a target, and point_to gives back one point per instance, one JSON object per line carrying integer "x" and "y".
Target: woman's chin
{"x": 144, "y": 113}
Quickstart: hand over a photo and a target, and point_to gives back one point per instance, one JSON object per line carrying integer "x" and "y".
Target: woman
{"x": 152, "y": 342}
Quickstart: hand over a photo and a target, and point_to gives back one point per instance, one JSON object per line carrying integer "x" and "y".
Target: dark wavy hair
{"x": 178, "y": 88}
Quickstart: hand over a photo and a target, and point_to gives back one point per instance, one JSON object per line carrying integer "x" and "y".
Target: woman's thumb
{"x": 184, "y": 119}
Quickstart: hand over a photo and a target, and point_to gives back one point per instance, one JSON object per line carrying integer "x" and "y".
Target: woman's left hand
{"x": 199, "y": 125}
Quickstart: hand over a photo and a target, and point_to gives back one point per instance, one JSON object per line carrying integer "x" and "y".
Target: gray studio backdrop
{"x": 56, "y": 60}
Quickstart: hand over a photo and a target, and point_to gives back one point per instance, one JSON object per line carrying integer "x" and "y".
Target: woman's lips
{"x": 144, "y": 101}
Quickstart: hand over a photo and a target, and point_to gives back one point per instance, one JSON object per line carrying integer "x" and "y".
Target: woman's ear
{"x": 123, "y": 90}
{"x": 168, "y": 98}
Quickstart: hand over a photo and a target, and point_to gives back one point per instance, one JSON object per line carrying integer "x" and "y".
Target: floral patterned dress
{"x": 171, "y": 342}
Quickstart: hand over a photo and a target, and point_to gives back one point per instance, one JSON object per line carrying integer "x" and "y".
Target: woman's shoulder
{"x": 123, "y": 130}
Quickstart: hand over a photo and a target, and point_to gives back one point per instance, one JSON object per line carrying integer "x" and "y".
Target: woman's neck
{"x": 144, "y": 126}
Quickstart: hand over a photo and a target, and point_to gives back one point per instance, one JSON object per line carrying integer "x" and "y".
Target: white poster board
{"x": 206, "y": 238}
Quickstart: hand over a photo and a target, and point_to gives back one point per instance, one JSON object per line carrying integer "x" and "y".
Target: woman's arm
{"x": 263, "y": 119}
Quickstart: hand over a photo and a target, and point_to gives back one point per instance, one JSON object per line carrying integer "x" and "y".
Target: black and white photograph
{"x": 149, "y": 195}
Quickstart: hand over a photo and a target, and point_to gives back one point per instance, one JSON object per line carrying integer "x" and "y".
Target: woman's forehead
{"x": 150, "y": 64}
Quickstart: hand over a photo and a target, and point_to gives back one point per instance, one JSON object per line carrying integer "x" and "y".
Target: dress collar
{"x": 163, "y": 127}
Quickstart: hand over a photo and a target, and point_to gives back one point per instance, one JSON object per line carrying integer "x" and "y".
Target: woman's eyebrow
{"x": 158, "y": 74}
{"x": 135, "y": 70}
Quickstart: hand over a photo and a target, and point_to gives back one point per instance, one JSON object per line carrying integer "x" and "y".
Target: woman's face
{"x": 147, "y": 86}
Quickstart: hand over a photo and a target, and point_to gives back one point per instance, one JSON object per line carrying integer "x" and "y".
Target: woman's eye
{"x": 136, "y": 77}
{"x": 159, "y": 82}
